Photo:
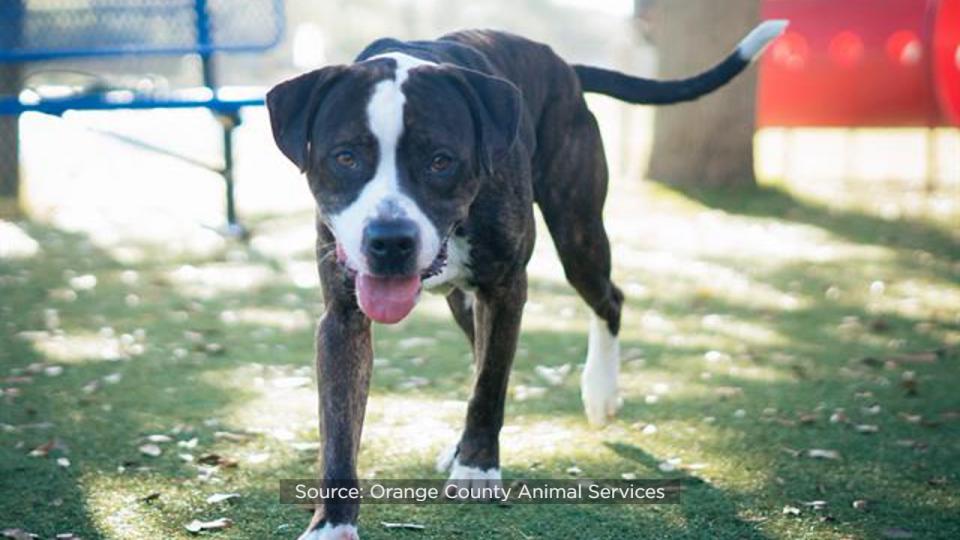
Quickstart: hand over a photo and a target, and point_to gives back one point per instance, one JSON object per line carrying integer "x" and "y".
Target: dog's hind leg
{"x": 570, "y": 191}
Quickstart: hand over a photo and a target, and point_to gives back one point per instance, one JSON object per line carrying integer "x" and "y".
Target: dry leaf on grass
{"x": 407, "y": 526}
{"x": 553, "y": 375}
{"x": 819, "y": 453}
{"x": 217, "y": 459}
{"x": 196, "y": 525}
{"x": 18, "y": 534}
{"x": 217, "y": 498}
{"x": 151, "y": 450}
{"x": 150, "y": 497}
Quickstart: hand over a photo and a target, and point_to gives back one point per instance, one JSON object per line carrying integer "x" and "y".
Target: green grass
{"x": 738, "y": 353}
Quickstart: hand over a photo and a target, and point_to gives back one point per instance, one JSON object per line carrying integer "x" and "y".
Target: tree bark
{"x": 707, "y": 142}
{"x": 12, "y": 14}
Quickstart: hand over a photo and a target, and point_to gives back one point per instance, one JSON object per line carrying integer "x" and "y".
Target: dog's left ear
{"x": 293, "y": 105}
{"x": 497, "y": 106}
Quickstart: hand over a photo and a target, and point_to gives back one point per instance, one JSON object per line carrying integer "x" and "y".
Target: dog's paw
{"x": 473, "y": 483}
{"x": 601, "y": 399}
{"x": 332, "y": 532}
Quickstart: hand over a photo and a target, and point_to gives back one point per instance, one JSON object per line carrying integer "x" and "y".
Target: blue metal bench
{"x": 41, "y": 31}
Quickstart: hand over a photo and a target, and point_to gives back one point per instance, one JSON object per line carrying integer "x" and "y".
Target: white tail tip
{"x": 761, "y": 36}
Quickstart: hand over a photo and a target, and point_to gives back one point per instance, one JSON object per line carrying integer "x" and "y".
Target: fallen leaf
{"x": 818, "y": 453}
{"x": 407, "y": 526}
{"x": 43, "y": 449}
{"x": 791, "y": 511}
{"x": 727, "y": 392}
{"x": 53, "y": 371}
{"x": 669, "y": 465}
{"x": 63, "y": 462}
{"x": 230, "y": 436}
{"x": 866, "y": 428}
{"x": 860, "y": 504}
{"x": 150, "y": 497}
{"x": 816, "y": 505}
{"x": 191, "y": 443}
{"x": 151, "y": 450}
{"x": 871, "y": 410}
{"x": 925, "y": 357}
{"x": 18, "y": 534}
{"x": 838, "y": 417}
{"x": 217, "y": 498}
{"x": 217, "y": 459}
{"x": 67, "y": 536}
{"x": 896, "y": 532}
{"x": 524, "y": 393}
{"x": 791, "y": 451}
{"x": 196, "y": 525}
{"x": 158, "y": 438}
{"x": 553, "y": 375}
{"x": 911, "y": 418}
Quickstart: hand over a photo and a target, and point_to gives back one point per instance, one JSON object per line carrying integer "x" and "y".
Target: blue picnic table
{"x": 34, "y": 32}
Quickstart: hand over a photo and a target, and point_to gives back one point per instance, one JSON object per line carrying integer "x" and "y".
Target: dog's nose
{"x": 391, "y": 246}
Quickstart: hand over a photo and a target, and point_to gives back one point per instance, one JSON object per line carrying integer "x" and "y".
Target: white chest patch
{"x": 456, "y": 273}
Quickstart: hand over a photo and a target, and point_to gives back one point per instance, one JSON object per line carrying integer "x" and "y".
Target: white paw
{"x": 473, "y": 483}
{"x": 445, "y": 458}
{"x": 601, "y": 399}
{"x": 598, "y": 383}
{"x": 328, "y": 532}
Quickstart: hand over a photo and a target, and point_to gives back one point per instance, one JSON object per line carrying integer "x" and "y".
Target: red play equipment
{"x": 862, "y": 63}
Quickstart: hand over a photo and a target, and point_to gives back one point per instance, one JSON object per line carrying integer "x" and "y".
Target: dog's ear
{"x": 293, "y": 105}
{"x": 497, "y": 107}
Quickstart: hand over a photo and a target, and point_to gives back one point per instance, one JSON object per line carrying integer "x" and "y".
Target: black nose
{"x": 391, "y": 246}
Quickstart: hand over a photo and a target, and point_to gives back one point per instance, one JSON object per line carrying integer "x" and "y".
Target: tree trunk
{"x": 11, "y": 17}
{"x": 707, "y": 142}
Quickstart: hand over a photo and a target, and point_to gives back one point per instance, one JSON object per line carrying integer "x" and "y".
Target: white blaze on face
{"x": 382, "y": 197}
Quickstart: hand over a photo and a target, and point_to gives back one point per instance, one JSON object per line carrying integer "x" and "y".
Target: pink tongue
{"x": 387, "y": 299}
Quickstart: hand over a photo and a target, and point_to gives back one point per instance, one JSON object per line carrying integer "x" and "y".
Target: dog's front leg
{"x": 344, "y": 360}
{"x": 475, "y": 460}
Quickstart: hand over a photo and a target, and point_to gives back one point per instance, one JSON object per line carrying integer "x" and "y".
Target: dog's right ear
{"x": 293, "y": 105}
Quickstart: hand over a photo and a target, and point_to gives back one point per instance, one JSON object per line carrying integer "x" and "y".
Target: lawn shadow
{"x": 854, "y": 225}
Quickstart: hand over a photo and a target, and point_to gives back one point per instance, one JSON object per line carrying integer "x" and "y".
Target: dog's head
{"x": 395, "y": 149}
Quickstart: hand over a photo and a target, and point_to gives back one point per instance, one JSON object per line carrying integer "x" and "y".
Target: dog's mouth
{"x": 389, "y": 299}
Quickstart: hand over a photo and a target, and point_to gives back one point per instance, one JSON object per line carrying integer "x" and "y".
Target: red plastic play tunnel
{"x": 862, "y": 63}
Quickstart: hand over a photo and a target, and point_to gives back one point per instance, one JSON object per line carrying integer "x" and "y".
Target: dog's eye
{"x": 440, "y": 163}
{"x": 346, "y": 159}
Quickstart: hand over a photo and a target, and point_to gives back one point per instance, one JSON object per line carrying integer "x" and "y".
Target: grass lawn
{"x": 759, "y": 327}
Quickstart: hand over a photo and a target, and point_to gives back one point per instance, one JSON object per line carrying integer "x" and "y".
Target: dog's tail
{"x": 653, "y": 92}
